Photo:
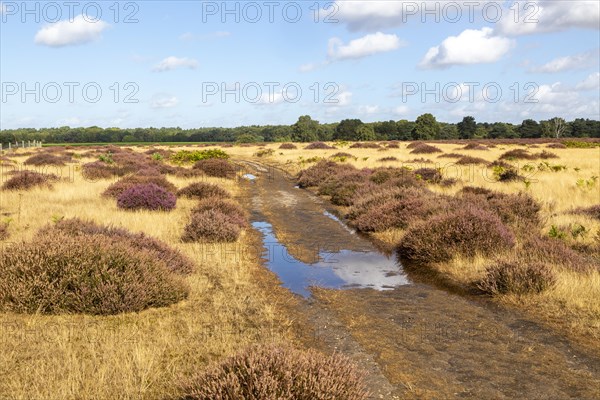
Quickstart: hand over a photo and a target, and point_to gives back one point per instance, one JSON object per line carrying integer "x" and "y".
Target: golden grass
{"x": 138, "y": 355}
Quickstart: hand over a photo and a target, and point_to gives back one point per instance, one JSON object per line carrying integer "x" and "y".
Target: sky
{"x": 226, "y": 63}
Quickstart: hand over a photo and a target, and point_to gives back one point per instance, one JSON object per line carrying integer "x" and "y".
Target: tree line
{"x": 306, "y": 129}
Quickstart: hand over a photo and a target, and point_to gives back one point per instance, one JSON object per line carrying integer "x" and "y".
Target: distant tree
{"x": 248, "y": 138}
{"x": 501, "y": 130}
{"x": 365, "y": 132}
{"x": 386, "y": 130}
{"x": 426, "y": 127}
{"x": 467, "y": 128}
{"x": 555, "y": 127}
{"x": 347, "y": 129}
{"x": 305, "y": 129}
{"x": 405, "y": 129}
{"x": 530, "y": 129}
{"x": 448, "y": 132}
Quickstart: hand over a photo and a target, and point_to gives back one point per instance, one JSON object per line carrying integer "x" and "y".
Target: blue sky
{"x": 168, "y": 63}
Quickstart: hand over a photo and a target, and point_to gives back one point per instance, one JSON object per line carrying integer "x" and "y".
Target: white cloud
{"x": 364, "y": 46}
{"x": 366, "y": 15}
{"x": 66, "y": 33}
{"x": 163, "y": 101}
{"x": 171, "y": 63}
{"x": 577, "y": 61}
{"x": 592, "y": 82}
{"x": 368, "y": 109}
{"x": 401, "y": 110}
{"x": 539, "y": 16}
{"x": 308, "y": 67}
{"x": 469, "y": 47}
{"x": 267, "y": 98}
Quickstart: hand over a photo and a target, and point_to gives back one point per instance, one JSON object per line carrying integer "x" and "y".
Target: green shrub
{"x": 186, "y": 156}
{"x": 277, "y": 373}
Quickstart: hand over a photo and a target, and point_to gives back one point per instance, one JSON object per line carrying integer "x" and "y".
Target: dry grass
{"x": 135, "y": 355}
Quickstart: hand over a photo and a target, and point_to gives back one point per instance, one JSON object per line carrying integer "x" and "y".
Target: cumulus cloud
{"x": 163, "y": 101}
{"x": 363, "y": 47}
{"x": 368, "y": 109}
{"x": 67, "y": 33}
{"x": 540, "y": 16}
{"x": 592, "y": 82}
{"x": 171, "y": 63}
{"x": 577, "y": 61}
{"x": 469, "y": 47}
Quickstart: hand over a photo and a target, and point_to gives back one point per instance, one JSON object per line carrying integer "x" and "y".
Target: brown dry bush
{"x": 341, "y": 154}
{"x": 545, "y": 155}
{"x": 318, "y": 146}
{"x": 392, "y": 145}
{"x": 182, "y": 172}
{"x": 552, "y": 251}
{"x": 115, "y": 189}
{"x": 24, "y": 180}
{"x": 98, "y": 170}
{"x": 278, "y": 373}
{"x": 86, "y": 274}
{"x": 556, "y": 146}
{"x": 401, "y": 177}
{"x": 469, "y": 160}
{"x": 211, "y": 226}
{"x": 47, "y": 159}
{"x": 4, "y": 234}
{"x": 174, "y": 260}
{"x": 430, "y": 175}
{"x": 216, "y": 167}
{"x": 386, "y": 159}
{"x": 202, "y": 189}
{"x": 229, "y": 208}
{"x": 501, "y": 164}
{"x": 451, "y": 155}
{"x": 593, "y": 211}
{"x": 342, "y": 186}
{"x": 518, "y": 154}
{"x": 412, "y": 145}
{"x": 365, "y": 145}
{"x": 425, "y": 149}
{"x": 517, "y": 277}
{"x": 475, "y": 146}
{"x": 465, "y": 232}
{"x": 288, "y": 146}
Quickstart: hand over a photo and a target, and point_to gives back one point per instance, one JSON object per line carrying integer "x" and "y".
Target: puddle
{"x": 343, "y": 269}
{"x": 336, "y": 219}
{"x": 250, "y": 177}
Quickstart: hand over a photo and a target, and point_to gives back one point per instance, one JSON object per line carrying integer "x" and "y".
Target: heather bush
{"x": 393, "y": 145}
{"x": 475, "y": 146}
{"x": 386, "y": 159}
{"x": 517, "y": 154}
{"x": 315, "y": 175}
{"x": 24, "y": 180}
{"x": 365, "y": 145}
{"x": 211, "y": 226}
{"x": 183, "y": 172}
{"x": 146, "y": 197}
{"x": 545, "y": 155}
{"x": 451, "y": 155}
{"x": 593, "y": 211}
{"x": 216, "y": 167}
{"x": 403, "y": 208}
{"x": 341, "y": 155}
{"x": 430, "y": 175}
{"x": 425, "y": 149}
{"x": 517, "y": 277}
{"x": 413, "y": 145}
{"x": 507, "y": 174}
{"x": 278, "y": 373}
{"x": 468, "y": 160}
{"x": 318, "y": 146}
{"x": 552, "y": 251}
{"x": 88, "y": 274}
{"x": 341, "y": 186}
{"x": 511, "y": 208}
{"x": 288, "y": 146}
{"x": 75, "y": 227}
{"x": 556, "y": 146}
{"x": 115, "y": 189}
{"x": 47, "y": 159}
{"x": 465, "y": 232}
{"x": 202, "y": 189}
{"x": 401, "y": 177}
{"x": 232, "y": 210}
{"x": 98, "y": 170}
{"x": 501, "y": 164}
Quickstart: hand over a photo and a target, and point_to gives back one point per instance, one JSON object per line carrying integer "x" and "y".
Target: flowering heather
{"x": 365, "y": 145}
{"x": 430, "y": 175}
{"x": 425, "y": 149}
{"x": 202, "y": 190}
{"x": 232, "y": 210}
{"x": 475, "y": 146}
{"x": 319, "y": 172}
{"x": 211, "y": 226}
{"x": 146, "y": 197}
{"x": 130, "y": 181}
{"x": 47, "y": 159}
{"x": 89, "y": 274}
{"x": 288, "y": 146}
{"x": 465, "y": 232}
{"x": 276, "y": 373}
{"x": 469, "y": 160}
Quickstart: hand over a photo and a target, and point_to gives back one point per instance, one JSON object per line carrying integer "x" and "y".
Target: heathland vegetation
{"x": 133, "y": 272}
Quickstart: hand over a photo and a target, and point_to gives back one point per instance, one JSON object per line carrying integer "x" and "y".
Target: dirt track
{"x": 419, "y": 341}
